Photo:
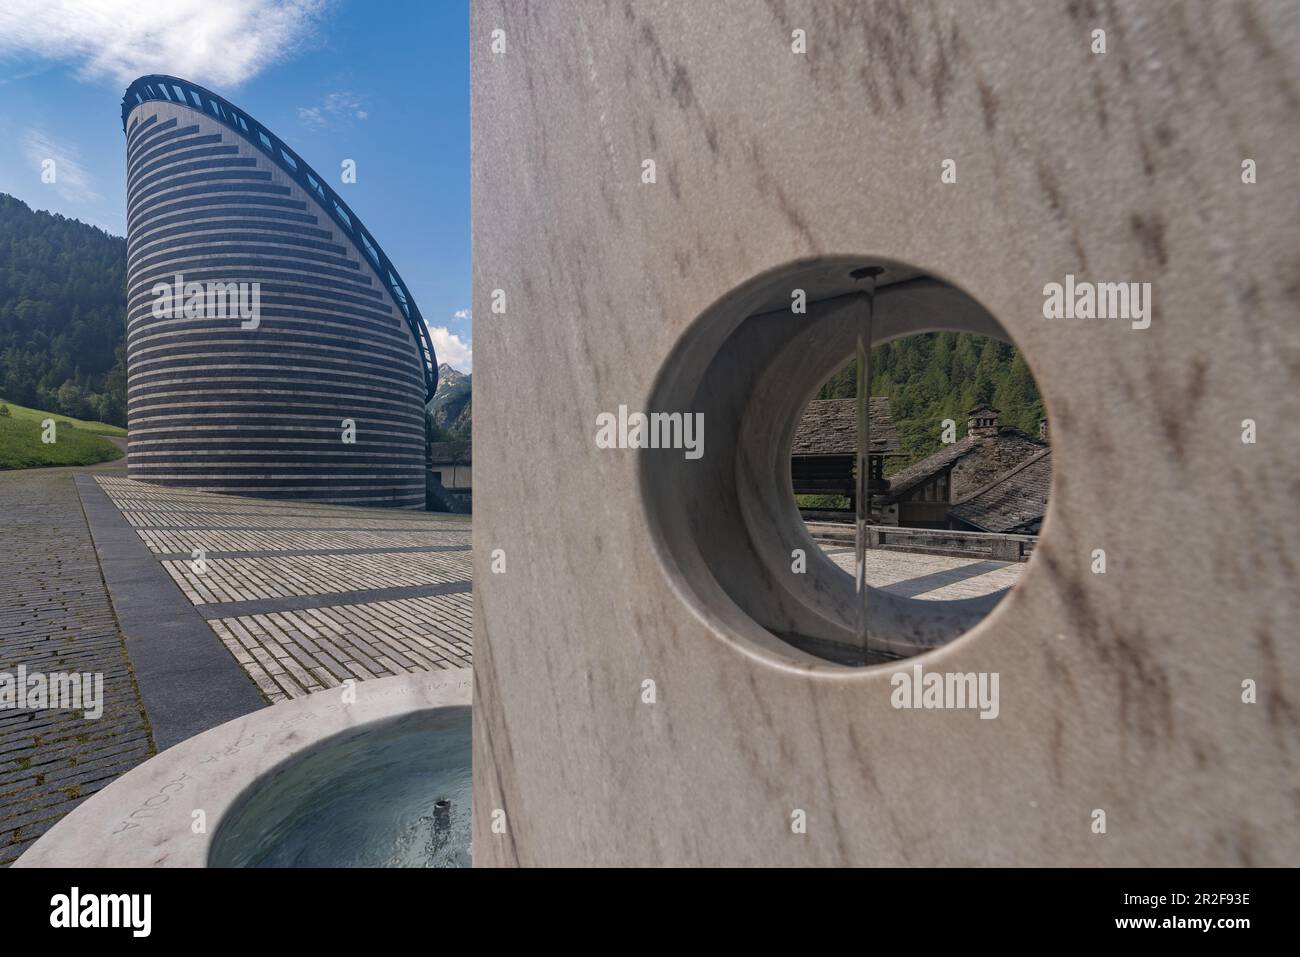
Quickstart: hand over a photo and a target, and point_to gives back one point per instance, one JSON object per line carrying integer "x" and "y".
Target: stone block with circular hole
{"x": 635, "y": 699}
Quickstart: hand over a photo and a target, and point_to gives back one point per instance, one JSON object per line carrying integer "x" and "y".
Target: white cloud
{"x": 215, "y": 43}
{"x": 463, "y": 314}
{"x": 451, "y": 349}
{"x": 71, "y": 181}
{"x": 338, "y": 107}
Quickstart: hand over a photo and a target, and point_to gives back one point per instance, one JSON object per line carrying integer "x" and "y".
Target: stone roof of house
{"x": 830, "y": 426}
{"x": 990, "y": 457}
{"x": 1015, "y": 498}
{"x": 904, "y": 481}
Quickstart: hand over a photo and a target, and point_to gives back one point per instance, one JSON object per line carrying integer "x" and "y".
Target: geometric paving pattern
{"x": 306, "y": 596}
{"x": 268, "y": 575}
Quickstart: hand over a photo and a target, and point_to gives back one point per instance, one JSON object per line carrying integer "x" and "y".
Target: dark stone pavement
{"x": 55, "y": 615}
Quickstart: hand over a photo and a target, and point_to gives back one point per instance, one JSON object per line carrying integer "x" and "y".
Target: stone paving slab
{"x": 324, "y": 600}
{"x": 269, "y": 575}
{"x": 929, "y": 577}
{"x": 305, "y": 596}
{"x": 293, "y": 653}
{"x": 188, "y": 682}
{"x": 55, "y": 615}
{"x": 305, "y": 552}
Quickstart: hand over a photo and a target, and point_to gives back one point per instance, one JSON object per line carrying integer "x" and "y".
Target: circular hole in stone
{"x": 761, "y": 533}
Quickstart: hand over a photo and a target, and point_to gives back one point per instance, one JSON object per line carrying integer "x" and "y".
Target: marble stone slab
{"x": 1120, "y": 692}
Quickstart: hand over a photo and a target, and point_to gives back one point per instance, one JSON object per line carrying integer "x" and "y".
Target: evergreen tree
{"x": 62, "y": 314}
{"x": 937, "y": 376}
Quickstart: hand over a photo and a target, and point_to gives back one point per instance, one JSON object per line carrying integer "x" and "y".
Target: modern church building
{"x": 272, "y": 348}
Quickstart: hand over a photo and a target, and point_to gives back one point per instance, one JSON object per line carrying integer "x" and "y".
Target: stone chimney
{"x": 982, "y": 421}
{"x": 1042, "y": 430}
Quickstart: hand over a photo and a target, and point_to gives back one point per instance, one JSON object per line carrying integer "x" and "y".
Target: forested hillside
{"x": 62, "y": 314}
{"x": 939, "y": 376}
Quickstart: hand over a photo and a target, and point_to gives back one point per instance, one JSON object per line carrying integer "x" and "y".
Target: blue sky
{"x": 383, "y": 83}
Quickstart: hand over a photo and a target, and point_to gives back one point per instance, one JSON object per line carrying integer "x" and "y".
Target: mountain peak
{"x": 450, "y": 405}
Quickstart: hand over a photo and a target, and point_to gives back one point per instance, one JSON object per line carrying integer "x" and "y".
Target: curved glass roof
{"x": 170, "y": 89}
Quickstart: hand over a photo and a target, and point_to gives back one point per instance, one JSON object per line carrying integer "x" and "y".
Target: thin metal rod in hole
{"x": 866, "y": 310}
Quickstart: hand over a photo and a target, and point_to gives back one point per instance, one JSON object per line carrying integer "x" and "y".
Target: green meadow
{"x": 77, "y": 442}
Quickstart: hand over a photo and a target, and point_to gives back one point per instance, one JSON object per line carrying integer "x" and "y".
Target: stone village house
{"x": 994, "y": 479}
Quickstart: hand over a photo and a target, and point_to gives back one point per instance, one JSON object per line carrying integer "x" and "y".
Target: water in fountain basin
{"x": 392, "y": 794}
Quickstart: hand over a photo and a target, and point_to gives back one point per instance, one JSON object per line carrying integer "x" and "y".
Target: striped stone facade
{"x": 260, "y": 411}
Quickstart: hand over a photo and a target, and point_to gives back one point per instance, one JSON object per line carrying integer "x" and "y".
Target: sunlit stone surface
{"x": 1120, "y": 692}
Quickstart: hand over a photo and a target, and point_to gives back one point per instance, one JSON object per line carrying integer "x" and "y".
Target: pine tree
{"x": 62, "y": 314}
{"x": 939, "y": 376}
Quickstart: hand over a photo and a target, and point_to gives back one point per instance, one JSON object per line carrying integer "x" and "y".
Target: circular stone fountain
{"x": 382, "y": 781}
{"x": 392, "y": 794}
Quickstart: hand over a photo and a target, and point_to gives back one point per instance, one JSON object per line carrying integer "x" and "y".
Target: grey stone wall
{"x": 260, "y": 412}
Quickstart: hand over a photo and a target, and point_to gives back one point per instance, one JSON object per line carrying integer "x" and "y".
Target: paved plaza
{"x": 55, "y": 616}
{"x": 197, "y": 608}
{"x": 929, "y": 577}
{"x": 307, "y": 596}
